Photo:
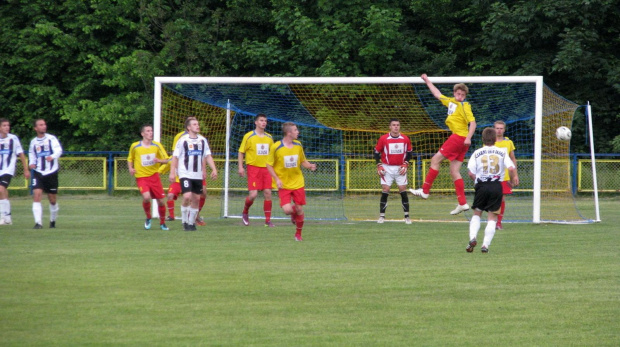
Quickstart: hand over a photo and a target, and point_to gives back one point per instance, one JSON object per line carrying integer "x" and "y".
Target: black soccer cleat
{"x": 38, "y": 226}
{"x": 53, "y": 224}
{"x": 484, "y": 249}
{"x": 185, "y": 227}
{"x": 170, "y": 219}
{"x": 471, "y": 245}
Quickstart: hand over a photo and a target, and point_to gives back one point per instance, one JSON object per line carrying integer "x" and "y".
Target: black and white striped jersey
{"x": 191, "y": 152}
{"x": 10, "y": 149}
{"x": 41, "y": 148}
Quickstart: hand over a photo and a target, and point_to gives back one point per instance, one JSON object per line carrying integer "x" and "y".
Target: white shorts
{"x": 391, "y": 175}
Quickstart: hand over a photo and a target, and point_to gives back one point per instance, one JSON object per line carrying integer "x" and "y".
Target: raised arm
{"x": 431, "y": 87}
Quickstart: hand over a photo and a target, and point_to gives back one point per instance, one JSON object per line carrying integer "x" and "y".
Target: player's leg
{"x": 201, "y": 203}
{"x": 5, "y": 206}
{"x": 474, "y": 227}
{"x": 383, "y": 202}
{"x": 267, "y": 205}
{"x": 173, "y": 192}
{"x": 157, "y": 193}
{"x": 52, "y": 197}
{"x": 299, "y": 198}
{"x": 433, "y": 171}
{"x": 390, "y": 173}
{"x": 194, "y": 209}
{"x": 146, "y": 206}
{"x": 37, "y": 195}
{"x": 459, "y": 187}
{"x": 249, "y": 200}
{"x": 500, "y": 215}
{"x": 161, "y": 209}
{"x": 401, "y": 181}
{"x": 489, "y": 232}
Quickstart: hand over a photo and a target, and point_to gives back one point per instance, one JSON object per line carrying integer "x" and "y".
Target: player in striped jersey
{"x": 487, "y": 167}
{"x": 254, "y": 149}
{"x": 143, "y": 161}
{"x": 392, "y": 153}
{"x": 43, "y": 154}
{"x": 504, "y": 142}
{"x": 286, "y": 157}
{"x": 189, "y": 160}
{"x": 462, "y": 123}
{"x": 10, "y": 149}
{"x": 175, "y": 188}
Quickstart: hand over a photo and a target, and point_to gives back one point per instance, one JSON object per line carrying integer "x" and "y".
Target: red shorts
{"x": 151, "y": 184}
{"x": 298, "y": 196}
{"x": 506, "y": 188}
{"x": 453, "y": 148}
{"x": 258, "y": 178}
{"x": 175, "y": 189}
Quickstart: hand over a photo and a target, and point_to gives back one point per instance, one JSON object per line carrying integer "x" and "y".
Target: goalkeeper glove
{"x": 403, "y": 168}
{"x": 380, "y": 170}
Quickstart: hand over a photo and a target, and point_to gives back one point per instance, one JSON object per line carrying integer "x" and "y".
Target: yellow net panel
{"x": 340, "y": 125}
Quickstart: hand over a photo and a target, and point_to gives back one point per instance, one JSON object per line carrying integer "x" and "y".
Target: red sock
{"x": 170, "y": 204}
{"x": 430, "y": 178}
{"x": 294, "y": 215}
{"x": 500, "y": 216}
{"x": 267, "y": 208}
{"x": 202, "y": 203}
{"x": 162, "y": 214}
{"x": 300, "y": 224}
{"x": 459, "y": 186}
{"x": 248, "y": 203}
{"x": 147, "y": 208}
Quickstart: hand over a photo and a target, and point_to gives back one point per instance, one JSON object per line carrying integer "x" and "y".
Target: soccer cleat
{"x": 298, "y": 237}
{"x": 170, "y": 219}
{"x": 407, "y": 220}
{"x": 200, "y": 221}
{"x": 185, "y": 227}
{"x": 499, "y": 226}
{"x": 471, "y": 245}
{"x": 52, "y": 224}
{"x": 246, "y": 219}
{"x": 269, "y": 224}
{"x": 484, "y": 249}
{"x": 459, "y": 209}
{"x": 192, "y": 227}
{"x": 147, "y": 224}
{"x": 164, "y": 227}
{"x": 5, "y": 222}
{"x": 381, "y": 220}
{"x": 419, "y": 192}
{"x": 38, "y": 226}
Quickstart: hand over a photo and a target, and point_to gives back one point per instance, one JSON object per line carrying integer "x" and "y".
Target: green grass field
{"x": 100, "y": 279}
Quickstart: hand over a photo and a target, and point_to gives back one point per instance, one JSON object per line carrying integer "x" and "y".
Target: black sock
{"x": 383, "y": 203}
{"x": 405, "y": 200}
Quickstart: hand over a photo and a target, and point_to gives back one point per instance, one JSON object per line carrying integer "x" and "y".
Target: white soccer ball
{"x": 563, "y": 133}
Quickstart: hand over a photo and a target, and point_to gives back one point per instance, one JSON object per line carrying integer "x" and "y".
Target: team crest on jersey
{"x": 262, "y": 149}
{"x": 396, "y": 148}
{"x": 290, "y": 161}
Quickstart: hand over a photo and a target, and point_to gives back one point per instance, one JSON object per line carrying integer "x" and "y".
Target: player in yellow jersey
{"x": 462, "y": 123}
{"x": 504, "y": 142}
{"x": 254, "y": 149}
{"x": 174, "y": 189}
{"x": 286, "y": 157}
{"x": 144, "y": 159}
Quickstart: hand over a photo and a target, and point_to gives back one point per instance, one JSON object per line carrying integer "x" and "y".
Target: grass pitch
{"x": 100, "y": 279}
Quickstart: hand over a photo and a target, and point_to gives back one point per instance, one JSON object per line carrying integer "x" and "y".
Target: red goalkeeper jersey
{"x": 393, "y": 149}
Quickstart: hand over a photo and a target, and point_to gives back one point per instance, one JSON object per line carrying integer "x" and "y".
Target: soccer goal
{"x": 341, "y": 119}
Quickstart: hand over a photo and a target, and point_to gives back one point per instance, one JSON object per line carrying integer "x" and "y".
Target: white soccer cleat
{"x": 381, "y": 220}
{"x": 5, "y": 222}
{"x": 419, "y": 192}
{"x": 407, "y": 220}
{"x": 459, "y": 209}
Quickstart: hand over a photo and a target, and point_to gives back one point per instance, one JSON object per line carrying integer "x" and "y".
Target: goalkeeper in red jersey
{"x": 462, "y": 123}
{"x": 392, "y": 153}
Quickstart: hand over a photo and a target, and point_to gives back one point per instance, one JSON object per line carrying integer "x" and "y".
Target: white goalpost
{"x": 321, "y": 108}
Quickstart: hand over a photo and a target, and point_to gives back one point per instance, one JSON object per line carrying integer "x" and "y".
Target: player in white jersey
{"x": 43, "y": 155}
{"x": 189, "y": 160}
{"x": 10, "y": 149}
{"x": 487, "y": 167}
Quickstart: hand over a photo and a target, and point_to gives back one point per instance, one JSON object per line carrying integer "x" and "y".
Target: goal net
{"x": 340, "y": 121}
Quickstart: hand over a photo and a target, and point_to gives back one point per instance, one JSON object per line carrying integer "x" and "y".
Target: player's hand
{"x": 312, "y": 167}
{"x": 241, "y": 171}
{"x": 27, "y": 174}
{"x": 32, "y": 166}
{"x": 214, "y": 175}
{"x": 172, "y": 178}
{"x": 278, "y": 183}
{"x": 49, "y": 159}
{"x": 514, "y": 181}
{"x": 467, "y": 142}
{"x": 132, "y": 171}
{"x": 380, "y": 170}
{"x": 403, "y": 169}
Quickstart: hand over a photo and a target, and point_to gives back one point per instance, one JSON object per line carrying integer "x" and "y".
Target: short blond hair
{"x": 461, "y": 86}
{"x": 500, "y": 122}
{"x": 287, "y": 127}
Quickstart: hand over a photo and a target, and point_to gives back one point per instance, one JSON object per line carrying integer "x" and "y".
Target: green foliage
{"x": 88, "y": 66}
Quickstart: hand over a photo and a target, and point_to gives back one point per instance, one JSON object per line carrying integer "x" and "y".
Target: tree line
{"x": 87, "y": 66}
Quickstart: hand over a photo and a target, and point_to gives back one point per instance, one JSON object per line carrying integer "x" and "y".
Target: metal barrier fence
{"x": 107, "y": 172}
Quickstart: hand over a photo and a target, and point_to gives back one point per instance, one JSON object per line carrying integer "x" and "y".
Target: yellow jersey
{"x": 164, "y": 169}
{"x": 143, "y": 158}
{"x": 459, "y": 115}
{"x": 287, "y": 164}
{"x": 506, "y": 143}
{"x": 256, "y": 148}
